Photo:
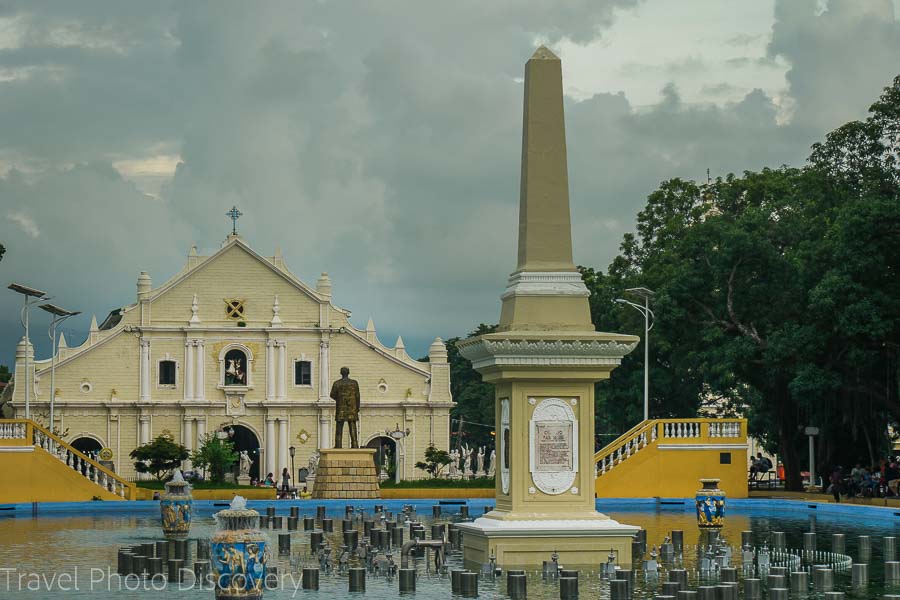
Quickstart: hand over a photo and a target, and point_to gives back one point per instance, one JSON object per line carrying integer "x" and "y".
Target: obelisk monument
{"x": 543, "y": 361}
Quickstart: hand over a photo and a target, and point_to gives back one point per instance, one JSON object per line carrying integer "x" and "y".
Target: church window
{"x": 234, "y": 309}
{"x": 235, "y": 367}
{"x": 302, "y": 372}
{"x": 167, "y": 373}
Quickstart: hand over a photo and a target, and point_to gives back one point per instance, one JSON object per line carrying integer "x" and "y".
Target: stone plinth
{"x": 346, "y": 473}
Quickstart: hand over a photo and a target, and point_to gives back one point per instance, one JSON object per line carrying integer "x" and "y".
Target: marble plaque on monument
{"x": 554, "y": 446}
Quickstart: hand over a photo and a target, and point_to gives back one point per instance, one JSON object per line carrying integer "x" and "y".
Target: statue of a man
{"x": 345, "y": 393}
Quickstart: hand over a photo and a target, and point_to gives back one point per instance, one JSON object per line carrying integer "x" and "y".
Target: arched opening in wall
{"x": 87, "y": 446}
{"x": 245, "y": 440}
{"x": 385, "y": 454}
{"x": 235, "y": 367}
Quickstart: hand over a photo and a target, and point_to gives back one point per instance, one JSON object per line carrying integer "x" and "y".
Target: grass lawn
{"x": 482, "y": 482}
{"x": 158, "y": 485}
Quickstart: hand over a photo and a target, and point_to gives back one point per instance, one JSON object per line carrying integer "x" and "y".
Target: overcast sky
{"x": 380, "y": 141}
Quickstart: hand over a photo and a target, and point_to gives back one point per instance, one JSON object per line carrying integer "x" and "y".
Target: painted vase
{"x": 710, "y": 505}
{"x": 239, "y": 553}
{"x": 176, "y": 507}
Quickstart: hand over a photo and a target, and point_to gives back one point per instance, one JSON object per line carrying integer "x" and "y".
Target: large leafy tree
{"x": 159, "y": 457}
{"x": 774, "y": 297}
{"x": 215, "y": 455}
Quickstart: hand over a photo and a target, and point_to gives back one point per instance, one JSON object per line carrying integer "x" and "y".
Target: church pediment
{"x": 236, "y": 286}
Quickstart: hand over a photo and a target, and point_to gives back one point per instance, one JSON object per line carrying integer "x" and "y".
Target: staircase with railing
{"x": 644, "y": 442}
{"x": 22, "y": 433}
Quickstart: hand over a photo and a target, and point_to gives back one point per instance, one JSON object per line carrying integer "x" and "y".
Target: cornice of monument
{"x": 547, "y": 349}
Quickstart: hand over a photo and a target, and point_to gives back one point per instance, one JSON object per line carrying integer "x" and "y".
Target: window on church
{"x": 235, "y": 368}
{"x": 167, "y": 372}
{"x": 303, "y": 372}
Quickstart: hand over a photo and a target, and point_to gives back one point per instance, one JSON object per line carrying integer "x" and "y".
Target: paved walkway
{"x": 893, "y": 502}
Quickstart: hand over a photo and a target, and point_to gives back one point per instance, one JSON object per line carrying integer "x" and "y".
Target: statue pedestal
{"x": 243, "y": 480}
{"x": 346, "y": 473}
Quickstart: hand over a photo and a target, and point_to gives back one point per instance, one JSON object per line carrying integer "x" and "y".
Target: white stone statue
{"x": 479, "y": 463}
{"x": 313, "y": 464}
{"x": 453, "y": 471}
{"x": 467, "y": 461}
{"x": 245, "y": 464}
{"x": 492, "y": 466}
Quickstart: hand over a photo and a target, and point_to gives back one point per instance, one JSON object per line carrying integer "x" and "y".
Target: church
{"x": 235, "y": 345}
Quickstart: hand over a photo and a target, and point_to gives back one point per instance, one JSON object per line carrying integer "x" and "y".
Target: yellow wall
{"x": 39, "y": 477}
{"x": 673, "y": 474}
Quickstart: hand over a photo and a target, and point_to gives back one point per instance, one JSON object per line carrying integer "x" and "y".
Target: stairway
{"x": 666, "y": 457}
{"x": 38, "y": 466}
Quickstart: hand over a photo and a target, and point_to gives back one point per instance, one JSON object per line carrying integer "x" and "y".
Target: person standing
{"x": 285, "y": 481}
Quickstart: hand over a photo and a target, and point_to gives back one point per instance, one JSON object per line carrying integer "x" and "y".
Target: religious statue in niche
{"x": 235, "y": 368}
{"x": 345, "y": 393}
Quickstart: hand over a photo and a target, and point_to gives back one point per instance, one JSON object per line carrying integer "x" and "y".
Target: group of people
{"x": 759, "y": 466}
{"x": 285, "y": 491}
{"x": 879, "y": 481}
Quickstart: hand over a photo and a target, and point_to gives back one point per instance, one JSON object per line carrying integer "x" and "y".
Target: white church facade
{"x": 235, "y": 343}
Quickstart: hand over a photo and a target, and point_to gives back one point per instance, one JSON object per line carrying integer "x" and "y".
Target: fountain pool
{"x": 71, "y": 552}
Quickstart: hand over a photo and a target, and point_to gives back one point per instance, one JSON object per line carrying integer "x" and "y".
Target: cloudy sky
{"x": 380, "y": 141}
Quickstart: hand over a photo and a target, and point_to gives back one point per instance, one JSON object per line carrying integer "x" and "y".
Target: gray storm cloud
{"x": 378, "y": 141}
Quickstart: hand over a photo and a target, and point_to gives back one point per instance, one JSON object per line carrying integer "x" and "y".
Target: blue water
{"x": 61, "y": 553}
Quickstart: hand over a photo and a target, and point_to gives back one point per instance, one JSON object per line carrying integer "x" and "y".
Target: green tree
{"x": 5, "y": 375}
{"x": 159, "y": 457}
{"x": 775, "y": 297}
{"x": 473, "y": 416}
{"x": 435, "y": 461}
{"x": 216, "y": 456}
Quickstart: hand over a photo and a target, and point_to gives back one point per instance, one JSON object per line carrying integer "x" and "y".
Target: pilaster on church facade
{"x": 234, "y": 344}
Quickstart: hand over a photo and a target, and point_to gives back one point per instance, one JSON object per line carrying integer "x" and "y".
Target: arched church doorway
{"x": 244, "y": 439}
{"x": 385, "y": 454}
{"x": 87, "y": 446}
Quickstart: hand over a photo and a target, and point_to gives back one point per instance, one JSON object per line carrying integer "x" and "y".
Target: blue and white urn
{"x": 176, "y": 507}
{"x": 710, "y": 505}
{"x": 239, "y": 553}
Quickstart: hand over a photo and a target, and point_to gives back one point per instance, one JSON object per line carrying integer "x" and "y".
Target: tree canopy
{"x": 775, "y": 297}
{"x": 159, "y": 457}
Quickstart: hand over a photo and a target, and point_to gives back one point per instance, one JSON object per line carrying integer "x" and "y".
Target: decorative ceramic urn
{"x": 710, "y": 505}
{"x": 176, "y": 506}
{"x": 239, "y": 553}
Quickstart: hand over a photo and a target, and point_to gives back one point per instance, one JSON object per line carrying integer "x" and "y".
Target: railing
{"x": 23, "y": 432}
{"x": 669, "y": 432}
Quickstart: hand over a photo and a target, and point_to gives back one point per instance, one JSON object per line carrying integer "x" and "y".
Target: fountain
{"x": 239, "y": 553}
{"x": 176, "y": 507}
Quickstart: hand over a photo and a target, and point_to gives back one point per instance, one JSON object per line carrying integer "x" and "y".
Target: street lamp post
{"x": 291, "y": 451}
{"x": 59, "y": 315}
{"x": 812, "y": 432}
{"x": 397, "y": 435}
{"x": 648, "y": 325}
{"x": 32, "y": 296}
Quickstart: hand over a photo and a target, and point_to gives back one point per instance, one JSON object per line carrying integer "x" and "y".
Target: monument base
{"x": 521, "y": 543}
{"x": 243, "y": 480}
{"x": 346, "y": 473}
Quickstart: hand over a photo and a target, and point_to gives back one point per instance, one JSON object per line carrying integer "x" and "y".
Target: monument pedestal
{"x": 346, "y": 473}
{"x": 528, "y": 543}
{"x": 243, "y": 480}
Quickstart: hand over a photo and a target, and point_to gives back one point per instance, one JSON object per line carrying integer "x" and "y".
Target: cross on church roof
{"x": 235, "y": 214}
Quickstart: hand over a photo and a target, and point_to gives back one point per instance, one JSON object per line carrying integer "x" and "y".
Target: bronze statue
{"x": 345, "y": 393}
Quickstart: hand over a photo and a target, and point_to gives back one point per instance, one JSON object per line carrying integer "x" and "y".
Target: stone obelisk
{"x": 544, "y": 360}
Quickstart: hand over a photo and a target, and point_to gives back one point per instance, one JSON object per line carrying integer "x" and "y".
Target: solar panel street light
{"x": 60, "y": 314}
{"x": 32, "y": 296}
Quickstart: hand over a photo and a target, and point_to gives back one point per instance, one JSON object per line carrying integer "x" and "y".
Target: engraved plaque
{"x": 554, "y": 446}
